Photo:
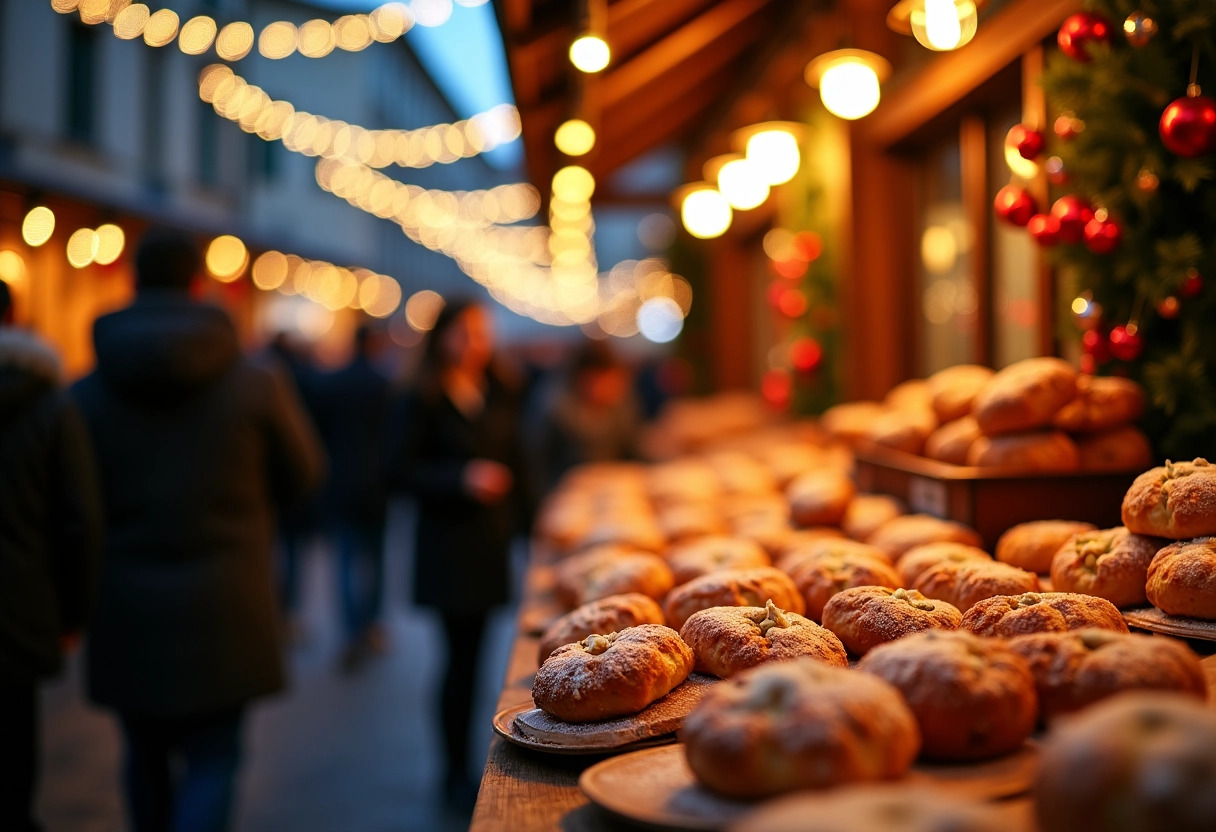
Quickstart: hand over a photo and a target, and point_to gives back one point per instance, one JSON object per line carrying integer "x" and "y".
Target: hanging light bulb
{"x": 940, "y": 25}
{"x": 739, "y": 180}
{"x": 590, "y": 54}
{"x": 772, "y": 149}
{"x": 703, "y": 210}
{"x": 849, "y": 81}
{"x": 574, "y": 137}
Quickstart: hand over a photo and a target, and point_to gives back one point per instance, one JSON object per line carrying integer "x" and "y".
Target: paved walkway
{"x": 337, "y": 753}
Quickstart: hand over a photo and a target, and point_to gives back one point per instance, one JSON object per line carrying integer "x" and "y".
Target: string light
{"x": 110, "y": 242}
{"x": 590, "y": 54}
{"x": 226, "y": 258}
{"x": 574, "y": 137}
{"x": 849, "y": 81}
{"x": 38, "y": 226}
{"x": 82, "y": 247}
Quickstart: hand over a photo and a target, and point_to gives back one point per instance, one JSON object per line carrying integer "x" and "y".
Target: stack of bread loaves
{"x": 1037, "y": 415}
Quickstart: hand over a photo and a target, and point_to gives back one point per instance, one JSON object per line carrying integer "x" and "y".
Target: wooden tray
{"x": 990, "y": 500}
{"x": 657, "y": 789}
{"x": 1155, "y": 621}
{"x": 530, "y": 727}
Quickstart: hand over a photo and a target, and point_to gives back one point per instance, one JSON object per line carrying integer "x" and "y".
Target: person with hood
{"x": 198, "y": 448}
{"x": 50, "y": 537}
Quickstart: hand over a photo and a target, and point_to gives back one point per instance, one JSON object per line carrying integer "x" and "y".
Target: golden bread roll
{"x": 732, "y": 588}
{"x": 903, "y": 430}
{"x": 903, "y": 533}
{"x": 1177, "y": 500}
{"x": 1024, "y": 396}
{"x": 1101, "y": 403}
{"x": 1117, "y": 449}
{"x": 866, "y": 512}
{"x": 1032, "y": 545}
{"x": 920, "y": 558}
{"x": 1144, "y": 761}
{"x": 952, "y": 441}
{"x": 611, "y": 570}
{"x": 1034, "y": 452}
{"x": 955, "y": 388}
{"x": 687, "y": 521}
{"x": 1182, "y": 579}
{"x": 1075, "y": 669}
{"x": 820, "y": 498}
{"x": 834, "y": 547}
{"x": 798, "y": 724}
{"x": 1108, "y": 563}
{"x": 966, "y": 583}
{"x": 973, "y": 698}
{"x": 795, "y": 539}
{"x": 821, "y": 578}
{"x": 606, "y": 615}
{"x": 867, "y": 616}
{"x": 605, "y": 676}
{"x": 729, "y": 640}
{"x": 712, "y": 554}
{"x": 895, "y": 807}
{"x": 850, "y": 421}
{"x": 913, "y": 394}
{"x": 1006, "y": 616}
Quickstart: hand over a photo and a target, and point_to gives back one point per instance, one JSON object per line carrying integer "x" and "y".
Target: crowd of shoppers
{"x": 157, "y": 508}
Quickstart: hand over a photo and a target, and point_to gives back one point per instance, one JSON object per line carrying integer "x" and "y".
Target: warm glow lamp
{"x": 704, "y": 211}
{"x": 848, "y": 81}
{"x": 739, "y": 180}
{"x": 940, "y": 25}
{"x": 771, "y": 149}
{"x": 574, "y": 137}
{"x": 590, "y": 54}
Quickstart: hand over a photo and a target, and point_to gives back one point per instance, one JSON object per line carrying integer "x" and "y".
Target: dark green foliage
{"x": 1120, "y": 94}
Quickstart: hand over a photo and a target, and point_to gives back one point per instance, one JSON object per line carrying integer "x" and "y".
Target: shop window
{"x": 82, "y": 89}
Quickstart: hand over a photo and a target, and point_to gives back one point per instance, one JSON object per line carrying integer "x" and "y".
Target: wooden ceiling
{"x": 676, "y": 67}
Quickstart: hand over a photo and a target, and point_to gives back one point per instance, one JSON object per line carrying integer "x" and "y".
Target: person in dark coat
{"x": 354, "y": 410}
{"x": 458, "y": 455}
{"x": 50, "y": 539}
{"x": 197, "y": 449}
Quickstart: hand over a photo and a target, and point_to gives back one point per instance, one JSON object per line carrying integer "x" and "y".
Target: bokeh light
{"x": 82, "y": 247}
{"x": 705, "y": 213}
{"x": 197, "y": 35}
{"x": 848, "y": 81}
{"x": 573, "y": 184}
{"x": 12, "y": 267}
{"x": 161, "y": 28}
{"x": 270, "y": 270}
{"x": 130, "y": 22}
{"x": 38, "y": 226}
{"x": 660, "y": 320}
{"x": 422, "y": 309}
{"x": 226, "y": 258}
{"x": 773, "y": 155}
{"x": 110, "y": 242}
{"x": 590, "y": 54}
{"x": 744, "y": 184}
{"x": 574, "y": 137}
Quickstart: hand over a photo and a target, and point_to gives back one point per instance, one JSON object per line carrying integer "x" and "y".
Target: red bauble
{"x": 1126, "y": 343}
{"x": 1169, "y": 308}
{"x": 1087, "y": 364}
{"x": 807, "y": 246}
{"x": 806, "y": 354}
{"x": 1188, "y": 126}
{"x": 1073, "y": 212}
{"x": 792, "y": 303}
{"x": 791, "y": 269}
{"x": 1028, "y": 141}
{"x": 1102, "y": 236}
{"x": 1056, "y": 173}
{"x": 1015, "y": 205}
{"x": 1192, "y": 284}
{"x": 1096, "y": 346}
{"x": 775, "y": 291}
{"x": 776, "y": 387}
{"x": 1045, "y": 229}
{"x": 1079, "y": 31}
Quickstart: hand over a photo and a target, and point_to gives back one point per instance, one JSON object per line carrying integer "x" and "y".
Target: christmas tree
{"x": 1132, "y": 228}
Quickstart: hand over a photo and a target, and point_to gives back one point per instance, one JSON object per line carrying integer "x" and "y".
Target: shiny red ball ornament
{"x": 1028, "y": 141}
{"x": 1045, "y": 229}
{"x": 1192, "y": 284}
{"x": 1188, "y": 126}
{"x": 793, "y": 303}
{"x": 1073, "y": 212}
{"x": 806, "y": 355}
{"x": 776, "y": 387}
{"x": 1169, "y": 308}
{"x": 1014, "y": 204}
{"x": 775, "y": 291}
{"x": 1102, "y": 236}
{"x": 1126, "y": 343}
{"x": 807, "y": 246}
{"x": 791, "y": 269}
{"x": 1080, "y": 31}
{"x": 1095, "y": 345}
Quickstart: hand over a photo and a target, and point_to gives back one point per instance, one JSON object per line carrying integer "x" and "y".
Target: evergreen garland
{"x": 1169, "y": 232}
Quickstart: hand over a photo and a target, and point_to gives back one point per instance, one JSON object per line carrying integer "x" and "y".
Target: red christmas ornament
{"x": 1126, "y": 343}
{"x": 791, "y": 269}
{"x": 1014, "y": 204}
{"x": 792, "y": 303}
{"x": 776, "y": 387}
{"x": 1068, "y": 125}
{"x": 1188, "y": 126}
{"x": 1192, "y": 284}
{"x": 807, "y": 246}
{"x": 1102, "y": 236}
{"x": 806, "y": 354}
{"x": 1080, "y": 31}
{"x": 1169, "y": 308}
{"x": 1087, "y": 364}
{"x": 775, "y": 290}
{"x": 1073, "y": 212}
{"x": 1095, "y": 345}
{"x": 1028, "y": 141}
{"x": 1045, "y": 229}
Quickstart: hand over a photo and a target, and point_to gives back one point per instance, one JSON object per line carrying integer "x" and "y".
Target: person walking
{"x": 50, "y": 538}
{"x": 354, "y": 410}
{"x": 458, "y": 454}
{"x": 197, "y": 448}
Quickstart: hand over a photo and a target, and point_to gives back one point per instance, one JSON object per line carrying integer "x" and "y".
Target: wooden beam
{"x": 517, "y": 14}
{"x": 950, "y": 76}
{"x": 977, "y": 210}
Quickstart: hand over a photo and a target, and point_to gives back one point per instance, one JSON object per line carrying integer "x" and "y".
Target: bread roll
{"x": 1038, "y": 452}
{"x": 1177, "y": 500}
{"x": 1110, "y": 563}
{"x": 1182, "y": 579}
{"x": 1006, "y": 616}
{"x": 952, "y": 441}
{"x": 867, "y": 616}
{"x": 1101, "y": 403}
{"x": 729, "y": 640}
{"x": 1032, "y": 545}
{"x": 1024, "y": 396}
{"x": 954, "y": 389}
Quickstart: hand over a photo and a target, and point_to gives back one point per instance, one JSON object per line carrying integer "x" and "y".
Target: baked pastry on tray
{"x": 729, "y": 640}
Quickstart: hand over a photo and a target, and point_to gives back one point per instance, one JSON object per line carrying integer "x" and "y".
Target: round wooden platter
{"x": 1155, "y": 621}
{"x": 528, "y": 726}
{"x": 657, "y": 789}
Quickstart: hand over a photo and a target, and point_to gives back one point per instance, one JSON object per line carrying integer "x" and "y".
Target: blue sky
{"x": 465, "y": 57}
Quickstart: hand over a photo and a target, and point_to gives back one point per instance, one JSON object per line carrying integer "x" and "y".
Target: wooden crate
{"x": 988, "y": 499}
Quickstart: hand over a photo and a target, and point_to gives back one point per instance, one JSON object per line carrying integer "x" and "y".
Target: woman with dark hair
{"x": 457, "y": 454}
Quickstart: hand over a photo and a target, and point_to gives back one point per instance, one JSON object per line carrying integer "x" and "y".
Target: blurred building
{"x": 102, "y": 130}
